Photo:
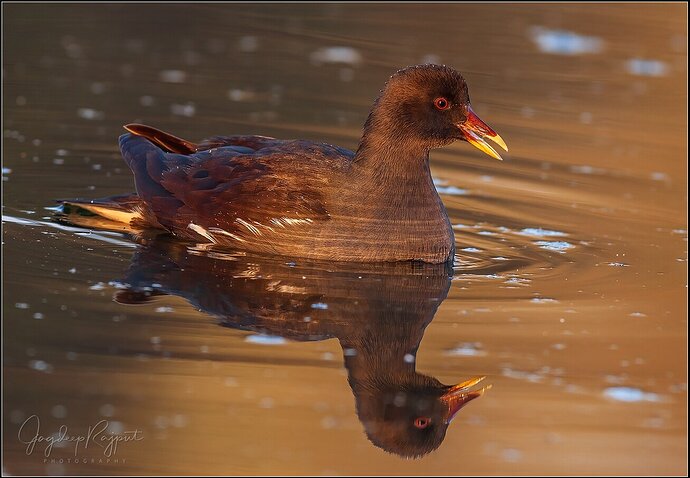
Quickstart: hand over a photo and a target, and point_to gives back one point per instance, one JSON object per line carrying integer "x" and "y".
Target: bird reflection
{"x": 378, "y": 312}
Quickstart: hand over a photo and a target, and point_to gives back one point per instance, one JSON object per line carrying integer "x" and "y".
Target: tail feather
{"x": 167, "y": 141}
{"x": 125, "y": 212}
{"x": 149, "y": 153}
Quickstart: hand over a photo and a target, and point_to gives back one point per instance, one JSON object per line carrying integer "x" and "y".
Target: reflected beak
{"x": 459, "y": 395}
{"x": 476, "y": 132}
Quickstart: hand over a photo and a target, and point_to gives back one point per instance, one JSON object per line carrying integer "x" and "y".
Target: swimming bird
{"x": 305, "y": 199}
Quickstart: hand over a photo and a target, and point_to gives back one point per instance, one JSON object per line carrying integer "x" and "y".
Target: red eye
{"x": 422, "y": 422}
{"x": 441, "y": 103}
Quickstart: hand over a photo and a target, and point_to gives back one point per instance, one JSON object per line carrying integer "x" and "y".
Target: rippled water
{"x": 568, "y": 292}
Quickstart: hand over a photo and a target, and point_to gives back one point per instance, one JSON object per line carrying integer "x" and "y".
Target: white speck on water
{"x": 563, "y": 42}
{"x": 486, "y": 233}
{"x": 615, "y": 379}
{"x": 236, "y": 94}
{"x": 21, "y": 305}
{"x": 265, "y": 339}
{"x": 539, "y": 232}
{"x": 319, "y": 305}
{"x": 486, "y": 178}
{"x": 173, "y": 76}
{"x": 73, "y": 270}
{"x": 586, "y": 117}
{"x": 644, "y": 67}
{"x": 658, "y": 176}
{"x": 204, "y": 349}
{"x": 586, "y": 169}
{"x": 467, "y": 350}
{"x": 38, "y": 316}
{"x": 408, "y": 358}
{"x": 638, "y": 314}
{"x": 336, "y": 55}
{"x": 307, "y": 319}
{"x": 248, "y": 44}
{"x": 147, "y": 100}
{"x": 97, "y": 286}
{"x": 115, "y": 427}
{"x": 230, "y": 382}
{"x": 654, "y": 422}
{"x": 680, "y": 231}
{"x": 161, "y": 422}
{"x": 163, "y": 310}
{"x": 558, "y": 346}
{"x": 471, "y": 249}
{"x": 543, "y": 300}
{"x": 58, "y": 161}
{"x": 6, "y": 170}
{"x": 430, "y": 59}
{"x": 61, "y": 152}
{"x": 518, "y": 281}
{"x": 557, "y": 246}
{"x": 349, "y": 352}
{"x": 155, "y": 340}
{"x": 511, "y": 455}
{"x": 107, "y": 410}
{"x": 17, "y": 416}
{"x": 629, "y": 394}
{"x": 58, "y": 411}
{"x": 90, "y": 114}
{"x": 97, "y": 88}
{"x": 179, "y": 420}
{"x": 522, "y": 375}
{"x": 328, "y": 423}
{"x": 183, "y": 110}
{"x": 451, "y": 190}
{"x": 527, "y": 112}
{"x": 461, "y": 226}
{"x": 617, "y": 264}
{"x": 266, "y": 402}
{"x": 439, "y": 181}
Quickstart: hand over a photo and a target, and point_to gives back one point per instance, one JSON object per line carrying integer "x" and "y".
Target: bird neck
{"x": 389, "y": 154}
{"x": 375, "y": 362}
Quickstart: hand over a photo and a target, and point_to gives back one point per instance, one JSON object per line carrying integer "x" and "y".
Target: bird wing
{"x": 233, "y": 187}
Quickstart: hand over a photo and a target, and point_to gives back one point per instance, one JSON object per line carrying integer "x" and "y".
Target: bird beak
{"x": 476, "y": 131}
{"x": 459, "y": 395}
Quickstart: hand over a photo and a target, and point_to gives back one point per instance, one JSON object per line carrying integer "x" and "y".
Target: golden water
{"x": 569, "y": 292}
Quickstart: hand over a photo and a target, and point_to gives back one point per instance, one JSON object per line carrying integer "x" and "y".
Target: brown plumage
{"x": 305, "y": 199}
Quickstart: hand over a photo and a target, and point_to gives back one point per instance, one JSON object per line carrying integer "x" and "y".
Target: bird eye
{"x": 441, "y": 103}
{"x": 422, "y": 422}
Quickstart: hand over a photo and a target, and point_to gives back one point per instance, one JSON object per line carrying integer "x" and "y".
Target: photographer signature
{"x": 30, "y": 435}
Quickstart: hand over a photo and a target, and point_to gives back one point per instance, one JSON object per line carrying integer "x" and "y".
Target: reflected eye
{"x": 441, "y": 103}
{"x": 422, "y": 422}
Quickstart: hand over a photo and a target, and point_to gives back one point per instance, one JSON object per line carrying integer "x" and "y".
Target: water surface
{"x": 568, "y": 293}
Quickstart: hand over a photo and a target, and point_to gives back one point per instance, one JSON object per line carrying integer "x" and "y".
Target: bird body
{"x": 305, "y": 199}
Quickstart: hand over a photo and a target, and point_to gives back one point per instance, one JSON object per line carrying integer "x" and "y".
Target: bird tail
{"x": 124, "y": 213}
{"x": 166, "y": 141}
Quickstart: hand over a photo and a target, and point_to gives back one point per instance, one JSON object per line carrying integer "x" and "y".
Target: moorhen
{"x": 303, "y": 199}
